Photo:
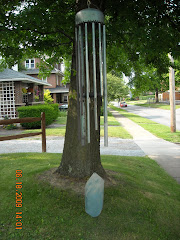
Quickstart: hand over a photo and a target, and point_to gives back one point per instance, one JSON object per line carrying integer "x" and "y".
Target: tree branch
{"x": 52, "y": 32}
{"x": 173, "y": 23}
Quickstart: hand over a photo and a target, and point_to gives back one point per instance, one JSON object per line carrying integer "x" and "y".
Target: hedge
{"x": 51, "y": 113}
{"x": 146, "y": 97}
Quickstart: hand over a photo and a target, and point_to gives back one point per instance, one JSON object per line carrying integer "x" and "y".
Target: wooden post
{"x": 43, "y": 129}
{"x": 172, "y": 96}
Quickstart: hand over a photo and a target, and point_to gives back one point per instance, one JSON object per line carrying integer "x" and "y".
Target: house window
{"x": 44, "y": 79}
{"x": 30, "y": 63}
{"x": 7, "y": 100}
{"x": 57, "y": 80}
{"x": 65, "y": 98}
{"x": 25, "y": 98}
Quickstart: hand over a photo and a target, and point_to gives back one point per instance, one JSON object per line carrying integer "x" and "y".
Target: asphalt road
{"x": 161, "y": 116}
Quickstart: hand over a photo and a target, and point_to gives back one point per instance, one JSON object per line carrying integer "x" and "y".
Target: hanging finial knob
{"x": 89, "y": 15}
{"x": 88, "y": 3}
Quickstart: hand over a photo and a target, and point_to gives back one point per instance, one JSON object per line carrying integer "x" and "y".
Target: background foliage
{"x": 136, "y": 30}
{"x": 116, "y": 87}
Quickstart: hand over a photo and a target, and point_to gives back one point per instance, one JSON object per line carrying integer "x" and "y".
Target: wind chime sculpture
{"x": 90, "y": 46}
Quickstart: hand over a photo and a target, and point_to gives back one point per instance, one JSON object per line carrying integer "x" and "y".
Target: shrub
{"x": 11, "y": 126}
{"x": 36, "y": 98}
{"x": 146, "y": 97}
{"x": 35, "y": 111}
{"x": 47, "y": 96}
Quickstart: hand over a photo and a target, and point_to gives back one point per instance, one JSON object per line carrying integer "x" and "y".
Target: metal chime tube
{"x": 81, "y": 84}
{"x": 79, "y": 68}
{"x": 100, "y": 60}
{"x": 87, "y": 84}
{"x": 83, "y": 117}
{"x": 94, "y": 76}
{"x": 84, "y": 19}
{"x": 105, "y": 89}
{"x": 77, "y": 83}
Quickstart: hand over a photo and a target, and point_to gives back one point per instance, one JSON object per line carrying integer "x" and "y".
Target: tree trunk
{"x": 156, "y": 96}
{"x": 81, "y": 161}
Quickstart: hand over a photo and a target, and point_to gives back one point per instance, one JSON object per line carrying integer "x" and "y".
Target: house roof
{"x": 59, "y": 90}
{"x": 11, "y": 75}
{"x": 36, "y": 71}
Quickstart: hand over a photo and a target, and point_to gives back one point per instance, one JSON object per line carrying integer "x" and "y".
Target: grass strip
{"x": 61, "y": 120}
{"x": 60, "y": 131}
{"x": 145, "y": 204}
{"x": 157, "y": 129}
{"x": 111, "y": 121}
{"x": 143, "y": 103}
{"x": 157, "y": 105}
{"x": 118, "y": 132}
{"x": 114, "y": 128}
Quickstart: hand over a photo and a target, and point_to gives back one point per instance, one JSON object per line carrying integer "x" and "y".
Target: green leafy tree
{"x": 67, "y": 71}
{"x": 116, "y": 88}
{"x": 177, "y": 72}
{"x": 147, "y": 79}
{"x": 134, "y": 29}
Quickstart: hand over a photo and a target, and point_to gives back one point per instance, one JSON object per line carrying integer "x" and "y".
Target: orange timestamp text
{"x": 18, "y": 199}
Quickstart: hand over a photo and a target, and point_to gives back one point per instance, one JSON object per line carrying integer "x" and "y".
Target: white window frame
{"x": 65, "y": 98}
{"x": 44, "y": 79}
{"x": 25, "y": 98}
{"x": 30, "y": 63}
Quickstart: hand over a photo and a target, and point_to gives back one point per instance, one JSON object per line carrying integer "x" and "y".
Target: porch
{"x": 17, "y": 89}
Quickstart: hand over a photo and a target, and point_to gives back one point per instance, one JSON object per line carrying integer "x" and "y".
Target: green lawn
{"x": 59, "y": 131}
{"x": 113, "y": 131}
{"x": 136, "y": 102}
{"x": 62, "y": 118}
{"x": 118, "y": 131}
{"x": 111, "y": 121}
{"x": 114, "y": 128}
{"x": 144, "y": 205}
{"x": 157, "y": 129}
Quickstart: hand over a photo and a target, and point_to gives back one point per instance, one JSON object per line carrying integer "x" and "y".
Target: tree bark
{"x": 81, "y": 161}
{"x": 156, "y": 96}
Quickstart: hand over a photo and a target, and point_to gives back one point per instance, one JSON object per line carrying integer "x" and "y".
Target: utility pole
{"x": 172, "y": 95}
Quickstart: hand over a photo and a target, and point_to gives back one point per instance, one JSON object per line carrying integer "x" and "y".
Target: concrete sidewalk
{"x": 166, "y": 154}
{"x": 116, "y": 146}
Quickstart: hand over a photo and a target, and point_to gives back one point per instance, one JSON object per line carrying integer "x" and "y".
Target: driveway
{"x": 161, "y": 116}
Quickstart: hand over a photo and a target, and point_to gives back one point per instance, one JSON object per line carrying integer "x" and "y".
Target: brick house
{"x": 59, "y": 92}
{"x": 165, "y": 96}
{"x": 18, "y": 89}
